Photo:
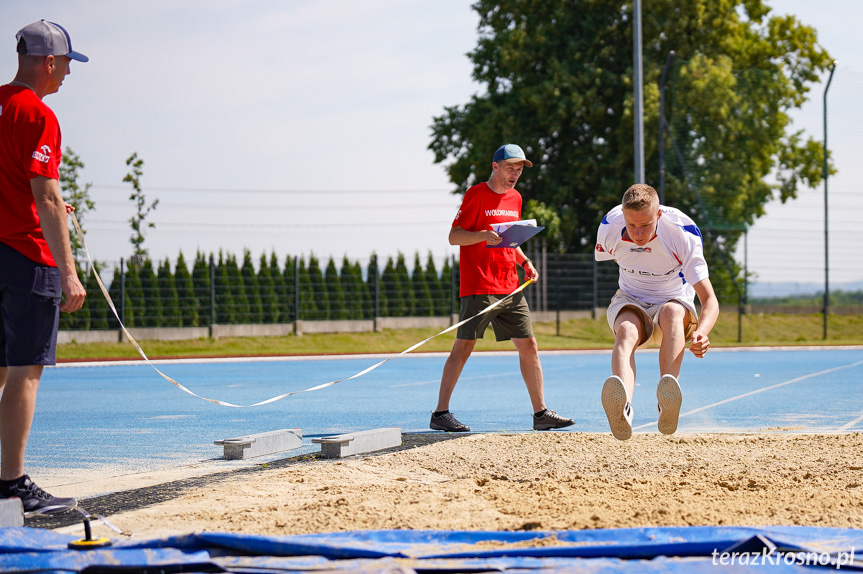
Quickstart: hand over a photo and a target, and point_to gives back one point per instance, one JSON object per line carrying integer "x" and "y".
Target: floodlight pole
{"x": 663, "y": 125}
{"x": 826, "y": 232}
{"x": 638, "y": 84}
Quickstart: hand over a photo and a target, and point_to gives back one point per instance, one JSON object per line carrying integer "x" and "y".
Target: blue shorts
{"x": 29, "y": 310}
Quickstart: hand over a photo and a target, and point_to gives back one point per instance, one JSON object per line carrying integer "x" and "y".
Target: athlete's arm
{"x": 52, "y": 218}
{"x": 460, "y": 236}
{"x": 709, "y": 315}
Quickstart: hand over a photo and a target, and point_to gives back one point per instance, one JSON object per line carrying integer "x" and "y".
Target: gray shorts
{"x": 29, "y": 310}
{"x": 649, "y": 314}
{"x": 510, "y": 319}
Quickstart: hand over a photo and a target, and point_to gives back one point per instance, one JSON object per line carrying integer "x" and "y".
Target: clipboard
{"x": 515, "y": 235}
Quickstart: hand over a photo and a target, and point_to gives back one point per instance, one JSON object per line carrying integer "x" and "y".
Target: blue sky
{"x": 303, "y": 127}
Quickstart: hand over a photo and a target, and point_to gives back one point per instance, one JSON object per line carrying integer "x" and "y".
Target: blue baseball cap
{"x": 44, "y": 38}
{"x": 511, "y": 153}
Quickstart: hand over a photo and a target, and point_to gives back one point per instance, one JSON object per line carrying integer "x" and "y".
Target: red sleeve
{"x": 41, "y": 144}
{"x": 468, "y": 213}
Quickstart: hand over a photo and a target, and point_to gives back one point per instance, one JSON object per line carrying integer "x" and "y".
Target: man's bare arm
{"x": 52, "y": 218}
{"x": 460, "y": 236}
{"x": 709, "y": 315}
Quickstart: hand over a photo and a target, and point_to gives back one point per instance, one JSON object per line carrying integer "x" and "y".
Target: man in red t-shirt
{"x": 487, "y": 276}
{"x": 35, "y": 255}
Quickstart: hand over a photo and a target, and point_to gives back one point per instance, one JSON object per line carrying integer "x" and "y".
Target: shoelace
{"x": 34, "y": 489}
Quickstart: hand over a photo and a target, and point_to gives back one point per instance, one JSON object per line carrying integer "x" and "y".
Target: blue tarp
{"x": 673, "y": 549}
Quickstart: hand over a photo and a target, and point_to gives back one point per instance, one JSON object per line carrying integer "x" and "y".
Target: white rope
{"x": 285, "y": 395}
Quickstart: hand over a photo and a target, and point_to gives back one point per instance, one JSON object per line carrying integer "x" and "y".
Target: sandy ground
{"x": 535, "y": 481}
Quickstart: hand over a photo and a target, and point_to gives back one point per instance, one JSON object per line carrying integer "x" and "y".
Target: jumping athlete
{"x": 660, "y": 254}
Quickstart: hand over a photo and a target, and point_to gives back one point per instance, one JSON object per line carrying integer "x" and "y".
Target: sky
{"x": 303, "y": 127}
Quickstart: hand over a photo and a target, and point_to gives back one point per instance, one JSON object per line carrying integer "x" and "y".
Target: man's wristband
{"x": 525, "y": 262}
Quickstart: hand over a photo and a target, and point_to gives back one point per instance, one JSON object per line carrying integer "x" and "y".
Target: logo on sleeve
{"x": 43, "y": 154}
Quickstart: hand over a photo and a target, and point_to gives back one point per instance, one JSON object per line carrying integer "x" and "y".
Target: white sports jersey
{"x": 663, "y": 269}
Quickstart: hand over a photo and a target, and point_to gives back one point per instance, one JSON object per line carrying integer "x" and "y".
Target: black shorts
{"x": 29, "y": 310}
{"x": 510, "y": 319}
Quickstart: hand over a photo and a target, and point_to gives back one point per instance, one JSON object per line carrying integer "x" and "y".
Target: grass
{"x": 757, "y": 330}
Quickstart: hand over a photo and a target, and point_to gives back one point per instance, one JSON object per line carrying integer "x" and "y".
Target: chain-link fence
{"x": 216, "y": 290}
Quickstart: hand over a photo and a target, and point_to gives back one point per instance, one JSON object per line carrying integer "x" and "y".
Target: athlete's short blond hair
{"x": 640, "y": 196}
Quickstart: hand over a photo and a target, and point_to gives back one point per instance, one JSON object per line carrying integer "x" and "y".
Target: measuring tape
{"x": 285, "y": 395}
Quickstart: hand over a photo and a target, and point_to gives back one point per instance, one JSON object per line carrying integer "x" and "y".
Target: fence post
{"x": 557, "y": 297}
{"x": 453, "y": 293}
{"x": 296, "y": 294}
{"x": 122, "y": 299}
{"x": 377, "y": 309}
{"x": 212, "y": 297}
{"x": 544, "y": 271}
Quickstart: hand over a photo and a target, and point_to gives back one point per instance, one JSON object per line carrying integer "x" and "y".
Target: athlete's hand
{"x": 69, "y": 209}
{"x": 491, "y": 237}
{"x": 700, "y": 344}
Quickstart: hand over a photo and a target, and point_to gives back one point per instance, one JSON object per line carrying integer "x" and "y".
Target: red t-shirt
{"x": 29, "y": 146}
{"x": 487, "y": 271}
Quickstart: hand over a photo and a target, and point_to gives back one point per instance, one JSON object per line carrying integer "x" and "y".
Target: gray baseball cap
{"x": 511, "y": 153}
{"x": 44, "y": 38}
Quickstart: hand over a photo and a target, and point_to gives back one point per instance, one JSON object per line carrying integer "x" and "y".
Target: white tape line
{"x": 756, "y": 391}
{"x": 851, "y": 425}
{"x": 282, "y": 396}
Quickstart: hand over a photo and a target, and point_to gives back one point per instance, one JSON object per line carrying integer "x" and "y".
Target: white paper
{"x": 501, "y": 227}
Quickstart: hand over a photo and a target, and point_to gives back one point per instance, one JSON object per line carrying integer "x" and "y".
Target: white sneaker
{"x": 617, "y": 408}
{"x": 669, "y": 397}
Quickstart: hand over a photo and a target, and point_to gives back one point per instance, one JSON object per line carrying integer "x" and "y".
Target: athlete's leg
{"x": 629, "y": 332}
{"x": 16, "y": 416}
{"x": 672, "y": 321}
{"x": 531, "y": 370}
{"x": 458, "y": 356}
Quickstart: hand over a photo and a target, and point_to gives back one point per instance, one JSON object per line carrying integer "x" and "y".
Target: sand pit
{"x": 534, "y": 481}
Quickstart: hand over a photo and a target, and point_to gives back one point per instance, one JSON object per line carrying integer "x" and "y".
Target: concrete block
{"x": 11, "y": 512}
{"x": 261, "y": 444}
{"x": 342, "y": 445}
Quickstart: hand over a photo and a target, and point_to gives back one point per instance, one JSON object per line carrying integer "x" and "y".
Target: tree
{"x": 151, "y": 315}
{"x": 186, "y": 299}
{"x": 391, "y": 302}
{"x": 267, "y": 289}
{"x": 403, "y": 288}
{"x": 335, "y": 293}
{"x": 375, "y": 288}
{"x": 423, "y": 303}
{"x": 564, "y": 69}
{"x": 445, "y": 303}
{"x": 76, "y": 196}
{"x": 201, "y": 283}
{"x": 252, "y": 290}
{"x": 172, "y": 313}
{"x": 123, "y": 304}
{"x": 98, "y": 307}
{"x": 439, "y": 292}
{"x": 320, "y": 301}
{"x": 307, "y": 307}
{"x": 135, "y": 303}
{"x": 226, "y": 311}
{"x": 237, "y": 286}
{"x": 142, "y": 210}
{"x": 353, "y": 289}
